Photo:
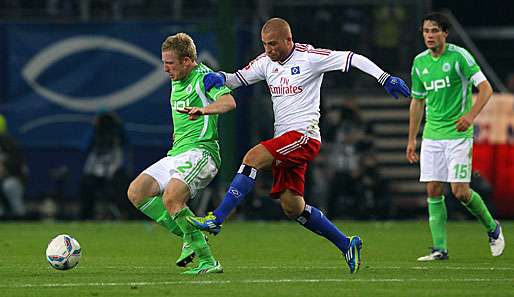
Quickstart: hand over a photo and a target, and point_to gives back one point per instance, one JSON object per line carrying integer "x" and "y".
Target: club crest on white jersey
{"x": 295, "y": 84}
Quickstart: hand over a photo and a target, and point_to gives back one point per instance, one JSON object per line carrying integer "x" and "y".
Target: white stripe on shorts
{"x": 293, "y": 146}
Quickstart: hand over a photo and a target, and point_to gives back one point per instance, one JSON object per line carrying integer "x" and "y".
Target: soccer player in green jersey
{"x": 441, "y": 79}
{"x": 163, "y": 189}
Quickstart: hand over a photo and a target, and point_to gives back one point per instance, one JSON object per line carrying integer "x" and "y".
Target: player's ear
{"x": 187, "y": 61}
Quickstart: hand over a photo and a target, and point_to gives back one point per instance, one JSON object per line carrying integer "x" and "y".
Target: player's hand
{"x": 395, "y": 86}
{"x": 213, "y": 79}
{"x": 193, "y": 112}
{"x": 464, "y": 122}
{"x": 410, "y": 153}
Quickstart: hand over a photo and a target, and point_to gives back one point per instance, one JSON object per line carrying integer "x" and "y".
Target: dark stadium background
{"x": 228, "y": 31}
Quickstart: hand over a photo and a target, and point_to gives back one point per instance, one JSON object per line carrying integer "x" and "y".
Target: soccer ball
{"x": 63, "y": 252}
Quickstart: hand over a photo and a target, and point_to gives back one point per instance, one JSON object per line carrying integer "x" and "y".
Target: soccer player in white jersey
{"x": 442, "y": 76}
{"x": 294, "y": 74}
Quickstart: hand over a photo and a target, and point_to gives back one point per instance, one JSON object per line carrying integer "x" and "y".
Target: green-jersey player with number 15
{"x": 442, "y": 78}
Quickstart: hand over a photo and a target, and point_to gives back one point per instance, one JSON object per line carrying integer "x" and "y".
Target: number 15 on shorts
{"x": 462, "y": 171}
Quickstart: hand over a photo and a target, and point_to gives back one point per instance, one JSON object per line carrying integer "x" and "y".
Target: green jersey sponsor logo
{"x": 201, "y": 133}
{"x": 179, "y": 104}
{"x": 437, "y": 84}
{"x": 445, "y": 83}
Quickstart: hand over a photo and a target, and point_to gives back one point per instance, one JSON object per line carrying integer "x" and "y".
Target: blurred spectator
{"x": 61, "y": 8}
{"x": 319, "y": 170}
{"x": 12, "y": 175}
{"x": 387, "y": 28}
{"x": 105, "y": 176}
{"x": 353, "y": 25}
{"x": 373, "y": 200}
{"x": 344, "y": 161}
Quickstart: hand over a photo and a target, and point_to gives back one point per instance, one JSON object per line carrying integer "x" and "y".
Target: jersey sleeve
{"x": 324, "y": 60}
{"x": 418, "y": 91}
{"x": 215, "y": 92}
{"x": 468, "y": 65}
{"x": 254, "y": 72}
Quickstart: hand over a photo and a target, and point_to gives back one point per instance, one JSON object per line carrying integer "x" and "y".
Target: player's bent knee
{"x": 174, "y": 198}
{"x": 462, "y": 195}
{"x": 258, "y": 157}
{"x": 292, "y": 210}
{"x": 291, "y": 213}
{"x": 172, "y": 205}
{"x": 251, "y": 159}
{"x": 134, "y": 194}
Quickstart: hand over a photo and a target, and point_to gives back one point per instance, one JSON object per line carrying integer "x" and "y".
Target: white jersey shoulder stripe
{"x": 302, "y": 46}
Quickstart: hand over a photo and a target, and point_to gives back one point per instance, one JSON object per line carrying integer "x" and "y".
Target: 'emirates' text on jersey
{"x": 295, "y": 85}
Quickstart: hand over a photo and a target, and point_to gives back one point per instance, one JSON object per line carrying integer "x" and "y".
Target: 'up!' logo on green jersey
{"x": 179, "y": 104}
{"x": 437, "y": 84}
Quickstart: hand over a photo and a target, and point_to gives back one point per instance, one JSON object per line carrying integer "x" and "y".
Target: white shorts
{"x": 196, "y": 168}
{"x": 446, "y": 160}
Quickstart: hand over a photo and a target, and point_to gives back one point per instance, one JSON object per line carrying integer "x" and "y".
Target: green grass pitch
{"x": 260, "y": 259}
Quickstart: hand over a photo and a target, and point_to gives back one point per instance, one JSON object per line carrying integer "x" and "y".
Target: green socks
{"x": 438, "y": 217}
{"x": 477, "y": 207}
{"x": 437, "y": 221}
{"x": 193, "y": 235}
{"x": 154, "y": 208}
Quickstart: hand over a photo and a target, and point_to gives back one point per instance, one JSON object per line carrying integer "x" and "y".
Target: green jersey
{"x": 445, "y": 83}
{"x": 202, "y": 132}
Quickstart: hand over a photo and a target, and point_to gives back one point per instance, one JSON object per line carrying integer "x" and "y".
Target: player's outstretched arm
{"x": 392, "y": 84}
{"x": 395, "y": 86}
{"x": 219, "y": 79}
{"x": 225, "y": 103}
{"x": 213, "y": 79}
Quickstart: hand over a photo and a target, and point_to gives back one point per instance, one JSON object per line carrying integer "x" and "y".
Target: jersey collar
{"x": 288, "y": 56}
{"x": 435, "y": 59}
{"x": 190, "y": 75}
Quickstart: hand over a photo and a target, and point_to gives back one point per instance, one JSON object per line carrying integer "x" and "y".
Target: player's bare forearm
{"x": 485, "y": 92}
{"x": 225, "y": 103}
{"x": 415, "y": 115}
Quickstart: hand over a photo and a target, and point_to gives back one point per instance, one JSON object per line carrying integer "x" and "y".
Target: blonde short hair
{"x": 182, "y": 44}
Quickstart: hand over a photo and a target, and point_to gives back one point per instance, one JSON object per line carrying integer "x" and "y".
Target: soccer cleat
{"x": 207, "y": 223}
{"x": 353, "y": 255}
{"x": 496, "y": 241}
{"x": 435, "y": 254}
{"x": 186, "y": 256}
{"x": 205, "y": 267}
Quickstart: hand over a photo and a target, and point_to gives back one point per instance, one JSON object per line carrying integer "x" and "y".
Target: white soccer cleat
{"x": 434, "y": 255}
{"x": 496, "y": 241}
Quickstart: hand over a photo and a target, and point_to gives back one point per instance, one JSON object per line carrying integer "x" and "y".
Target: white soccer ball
{"x": 63, "y": 252}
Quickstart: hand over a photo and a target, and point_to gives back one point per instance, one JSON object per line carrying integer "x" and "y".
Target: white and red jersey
{"x": 294, "y": 85}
